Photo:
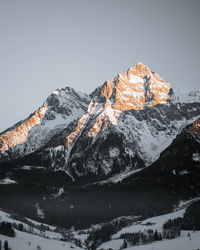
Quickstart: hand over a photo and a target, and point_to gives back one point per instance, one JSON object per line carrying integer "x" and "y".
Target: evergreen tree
{"x": 21, "y": 227}
{"x": 6, "y": 229}
{"x": 156, "y": 235}
{"x": 159, "y": 236}
{"x": 39, "y": 247}
{"x": 93, "y": 247}
{"x": 79, "y": 243}
{"x": 125, "y": 245}
{"x": 6, "y": 245}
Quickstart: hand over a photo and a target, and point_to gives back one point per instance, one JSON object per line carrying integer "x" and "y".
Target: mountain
{"x": 61, "y": 107}
{"x": 178, "y": 168}
{"x": 123, "y": 125}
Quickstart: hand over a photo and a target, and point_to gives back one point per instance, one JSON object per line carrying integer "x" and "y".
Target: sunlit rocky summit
{"x": 122, "y": 126}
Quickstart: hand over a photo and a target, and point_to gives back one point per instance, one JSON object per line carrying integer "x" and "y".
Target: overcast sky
{"x": 46, "y": 44}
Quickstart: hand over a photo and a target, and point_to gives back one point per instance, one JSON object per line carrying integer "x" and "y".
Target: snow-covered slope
{"x": 183, "y": 242}
{"x": 61, "y": 107}
{"x": 154, "y": 223}
{"x": 26, "y": 241}
{"x": 32, "y": 237}
{"x": 123, "y": 125}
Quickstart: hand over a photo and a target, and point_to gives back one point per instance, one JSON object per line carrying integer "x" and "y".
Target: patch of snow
{"x": 60, "y": 192}
{"x": 29, "y": 168}
{"x": 61, "y": 120}
{"x": 119, "y": 177}
{"x": 114, "y": 152}
{"x": 55, "y": 92}
{"x": 7, "y": 181}
{"x": 39, "y": 211}
{"x": 114, "y": 244}
{"x": 82, "y": 237}
{"x": 52, "y": 235}
{"x": 184, "y": 172}
{"x": 52, "y": 228}
{"x": 135, "y": 79}
{"x": 26, "y": 167}
{"x": 116, "y": 178}
{"x": 183, "y": 204}
{"x": 196, "y": 157}
{"x": 174, "y": 171}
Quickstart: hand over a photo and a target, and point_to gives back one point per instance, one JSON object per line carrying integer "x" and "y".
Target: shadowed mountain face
{"x": 123, "y": 125}
{"x": 178, "y": 168}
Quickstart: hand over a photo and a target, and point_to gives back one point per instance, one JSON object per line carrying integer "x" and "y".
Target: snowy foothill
{"x": 33, "y": 237}
{"x": 50, "y": 240}
{"x": 154, "y": 223}
{"x": 184, "y": 242}
{"x": 26, "y": 241}
{"x": 181, "y": 243}
{"x": 47, "y": 233}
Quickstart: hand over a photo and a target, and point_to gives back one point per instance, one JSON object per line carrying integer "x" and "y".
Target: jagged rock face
{"x": 124, "y": 124}
{"x": 61, "y": 107}
{"x": 141, "y": 84}
{"x": 135, "y": 89}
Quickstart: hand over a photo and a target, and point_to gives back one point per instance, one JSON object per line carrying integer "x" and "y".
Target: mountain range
{"x": 121, "y": 127}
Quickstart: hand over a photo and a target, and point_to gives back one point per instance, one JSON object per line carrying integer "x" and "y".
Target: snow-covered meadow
{"x": 49, "y": 239}
{"x": 181, "y": 243}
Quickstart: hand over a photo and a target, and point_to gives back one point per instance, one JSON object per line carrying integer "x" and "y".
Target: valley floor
{"x": 189, "y": 240}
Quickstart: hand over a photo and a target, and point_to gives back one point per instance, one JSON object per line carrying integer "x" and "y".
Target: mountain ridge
{"x": 62, "y": 106}
{"x": 123, "y": 124}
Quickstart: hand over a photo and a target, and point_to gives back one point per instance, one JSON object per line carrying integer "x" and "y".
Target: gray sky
{"x": 46, "y": 44}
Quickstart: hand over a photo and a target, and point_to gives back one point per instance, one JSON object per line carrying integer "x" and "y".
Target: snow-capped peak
{"x": 134, "y": 89}
{"x": 60, "y": 108}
